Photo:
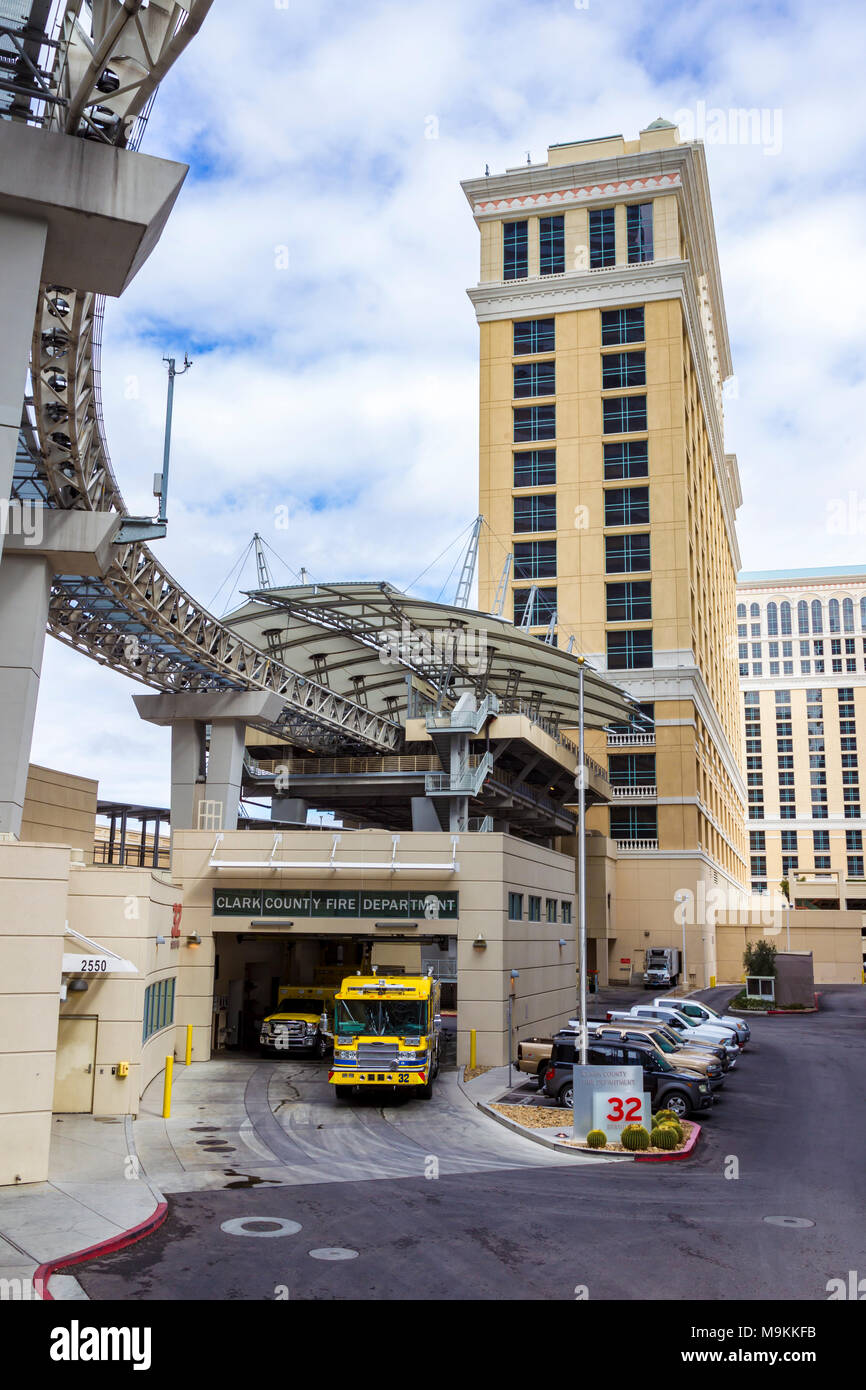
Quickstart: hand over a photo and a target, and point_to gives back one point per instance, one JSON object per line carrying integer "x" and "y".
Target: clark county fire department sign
{"x": 266, "y": 902}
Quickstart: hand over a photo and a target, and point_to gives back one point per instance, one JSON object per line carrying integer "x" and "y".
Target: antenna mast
{"x": 470, "y": 560}
{"x": 265, "y": 580}
{"x": 502, "y": 588}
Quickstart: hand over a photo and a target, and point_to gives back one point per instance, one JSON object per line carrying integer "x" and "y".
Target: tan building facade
{"x": 603, "y": 475}
{"x": 801, "y": 648}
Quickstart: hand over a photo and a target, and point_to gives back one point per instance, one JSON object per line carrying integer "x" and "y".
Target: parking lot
{"x": 771, "y": 1206}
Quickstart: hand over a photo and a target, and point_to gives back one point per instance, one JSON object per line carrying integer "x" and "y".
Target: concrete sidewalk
{"x": 235, "y": 1123}
{"x": 95, "y": 1193}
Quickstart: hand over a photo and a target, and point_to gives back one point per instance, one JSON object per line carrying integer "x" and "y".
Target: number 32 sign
{"x": 612, "y": 1112}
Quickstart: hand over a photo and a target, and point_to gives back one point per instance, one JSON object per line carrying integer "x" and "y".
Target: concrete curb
{"x": 776, "y": 1013}
{"x": 667, "y": 1157}
{"x": 538, "y": 1138}
{"x": 44, "y": 1272}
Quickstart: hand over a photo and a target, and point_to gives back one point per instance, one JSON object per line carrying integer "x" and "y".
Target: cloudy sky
{"x": 316, "y": 263}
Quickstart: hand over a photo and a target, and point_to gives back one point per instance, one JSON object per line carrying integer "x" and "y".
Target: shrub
{"x": 664, "y": 1137}
{"x": 759, "y": 958}
{"x": 635, "y": 1137}
{"x": 596, "y": 1139}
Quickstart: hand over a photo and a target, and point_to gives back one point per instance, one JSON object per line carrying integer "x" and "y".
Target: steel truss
{"x": 136, "y": 618}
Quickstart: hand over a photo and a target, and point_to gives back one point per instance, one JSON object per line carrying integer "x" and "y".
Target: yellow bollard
{"x": 188, "y": 1058}
{"x": 712, "y": 982}
{"x": 166, "y": 1090}
{"x": 471, "y": 1048}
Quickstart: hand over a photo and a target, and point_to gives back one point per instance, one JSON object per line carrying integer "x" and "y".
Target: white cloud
{"x": 346, "y": 386}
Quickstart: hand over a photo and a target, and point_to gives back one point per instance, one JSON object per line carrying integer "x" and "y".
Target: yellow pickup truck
{"x": 300, "y": 1022}
{"x": 386, "y": 1033}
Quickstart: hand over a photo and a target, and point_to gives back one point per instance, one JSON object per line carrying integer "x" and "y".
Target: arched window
{"x": 863, "y": 614}
{"x": 785, "y": 618}
{"x": 833, "y": 615}
{"x": 755, "y": 611}
{"x": 817, "y": 616}
{"x": 848, "y": 614}
{"x": 802, "y": 616}
{"x": 772, "y": 620}
{"x": 741, "y": 609}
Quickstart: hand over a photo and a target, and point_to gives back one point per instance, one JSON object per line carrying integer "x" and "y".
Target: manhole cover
{"x": 793, "y": 1221}
{"x": 260, "y": 1226}
{"x": 334, "y": 1252}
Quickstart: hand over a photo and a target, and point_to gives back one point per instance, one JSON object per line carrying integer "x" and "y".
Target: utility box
{"x": 795, "y": 979}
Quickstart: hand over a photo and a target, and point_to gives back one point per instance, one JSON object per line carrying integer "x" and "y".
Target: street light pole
{"x": 166, "y": 451}
{"x": 515, "y": 975}
{"x": 581, "y": 861}
{"x": 788, "y": 921}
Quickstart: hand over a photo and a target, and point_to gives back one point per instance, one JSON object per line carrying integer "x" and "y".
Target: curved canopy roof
{"x": 362, "y": 639}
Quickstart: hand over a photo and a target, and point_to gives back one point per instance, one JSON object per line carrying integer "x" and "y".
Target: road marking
{"x": 244, "y": 1226}
{"x": 333, "y": 1252}
{"x": 793, "y": 1221}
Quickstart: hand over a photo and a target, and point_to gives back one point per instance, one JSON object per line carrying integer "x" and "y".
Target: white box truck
{"x": 662, "y": 967}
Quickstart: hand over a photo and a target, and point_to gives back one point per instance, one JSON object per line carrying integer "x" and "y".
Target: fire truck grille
{"x": 376, "y": 1055}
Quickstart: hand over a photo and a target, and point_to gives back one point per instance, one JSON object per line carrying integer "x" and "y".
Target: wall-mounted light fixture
{"x": 480, "y": 942}
{"x": 160, "y": 941}
{"x": 78, "y": 986}
{"x": 562, "y": 941}
{"x": 193, "y": 941}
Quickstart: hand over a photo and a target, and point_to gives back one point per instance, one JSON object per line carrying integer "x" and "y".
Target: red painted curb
{"x": 794, "y": 1012}
{"x": 42, "y": 1275}
{"x": 671, "y": 1157}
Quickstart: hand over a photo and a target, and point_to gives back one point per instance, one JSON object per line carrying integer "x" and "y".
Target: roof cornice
{"x": 678, "y": 170}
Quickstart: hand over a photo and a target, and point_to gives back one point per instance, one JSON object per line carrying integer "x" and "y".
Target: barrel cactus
{"x": 664, "y": 1137}
{"x": 662, "y": 1115}
{"x": 635, "y": 1137}
{"x": 596, "y": 1139}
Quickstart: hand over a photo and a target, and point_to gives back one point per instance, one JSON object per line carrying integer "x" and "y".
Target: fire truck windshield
{"x": 381, "y": 1017}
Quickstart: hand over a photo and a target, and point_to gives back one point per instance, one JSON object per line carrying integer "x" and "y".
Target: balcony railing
{"x": 643, "y": 792}
{"x": 342, "y": 767}
{"x": 630, "y": 740}
{"x": 467, "y": 780}
{"x": 637, "y": 844}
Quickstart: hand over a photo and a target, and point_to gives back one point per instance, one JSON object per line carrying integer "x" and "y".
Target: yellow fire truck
{"x": 299, "y": 1022}
{"x": 386, "y": 1033}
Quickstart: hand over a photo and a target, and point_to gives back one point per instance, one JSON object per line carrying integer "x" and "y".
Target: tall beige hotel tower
{"x": 603, "y": 475}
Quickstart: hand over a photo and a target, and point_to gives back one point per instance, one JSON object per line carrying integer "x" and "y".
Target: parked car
{"x": 693, "y": 1057}
{"x": 671, "y": 1087}
{"x": 678, "y": 1038}
{"x": 698, "y": 1010}
{"x": 533, "y": 1055}
{"x": 726, "y": 1030}
{"x": 681, "y": 1025}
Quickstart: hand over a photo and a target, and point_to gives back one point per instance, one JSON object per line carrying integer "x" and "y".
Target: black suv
{"x": 670, "y": 1087}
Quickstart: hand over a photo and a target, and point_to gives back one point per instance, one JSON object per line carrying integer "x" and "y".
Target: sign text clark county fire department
{"x": 267, "y": 902}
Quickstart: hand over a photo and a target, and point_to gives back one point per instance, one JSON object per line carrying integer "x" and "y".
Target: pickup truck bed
{"x": 533, "y": 1053}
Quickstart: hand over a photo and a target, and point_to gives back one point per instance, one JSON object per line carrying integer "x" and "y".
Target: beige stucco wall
{"x": 834, "y": 938}
{"x": 652, "y": 896}
{"x": 490, "y": 866}
{"x": 33, "y": 897}
{"x": 125, "y": 910}
{"x": 59, "y": 807}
